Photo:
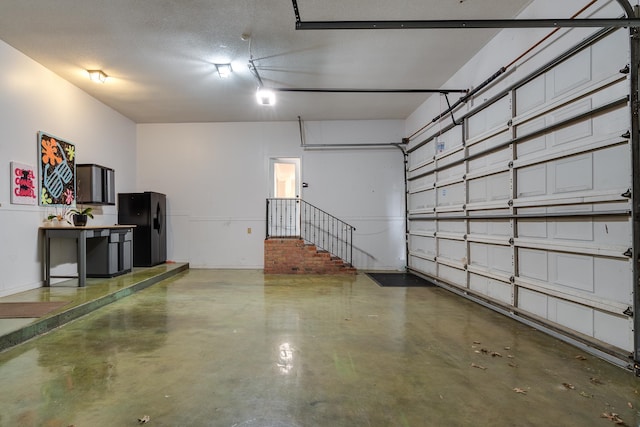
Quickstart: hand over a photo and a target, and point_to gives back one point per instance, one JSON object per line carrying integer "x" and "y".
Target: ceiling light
{"x": 97, "y": 76}
{"x": 265, "y": 96}
{"x": 224, "y": 70}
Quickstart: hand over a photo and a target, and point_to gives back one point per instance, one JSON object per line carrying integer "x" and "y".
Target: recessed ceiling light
{"x": 265, "y": 96}
{"x": 224, "y": 70}
{"x": 97, "y": 76}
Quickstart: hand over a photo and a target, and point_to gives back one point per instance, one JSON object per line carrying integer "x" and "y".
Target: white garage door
{"x": 527, "y": 203}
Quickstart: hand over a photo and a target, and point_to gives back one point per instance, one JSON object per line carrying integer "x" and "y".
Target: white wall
{"x": 216, "y": 179}
{"x": 34, "y": 99}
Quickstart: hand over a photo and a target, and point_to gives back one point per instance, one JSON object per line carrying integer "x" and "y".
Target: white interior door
{"x": 285, "y": 177}
{"x": 284, "y": 188}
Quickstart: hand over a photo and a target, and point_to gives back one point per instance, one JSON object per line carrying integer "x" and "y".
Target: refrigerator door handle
{"x": 157, "y": 221}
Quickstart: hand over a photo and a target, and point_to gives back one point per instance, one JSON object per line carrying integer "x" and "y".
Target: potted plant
{"x": 59, "y": 217}
{"x": 80, "y": 216}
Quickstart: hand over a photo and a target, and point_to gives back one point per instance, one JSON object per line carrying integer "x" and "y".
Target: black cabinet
{"x": 111, "y": 255}
{"x": 95, "y": 185}
{"x": 147, "y": 212}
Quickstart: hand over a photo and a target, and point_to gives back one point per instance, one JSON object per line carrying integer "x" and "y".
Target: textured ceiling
{"x": 159, "y": 53}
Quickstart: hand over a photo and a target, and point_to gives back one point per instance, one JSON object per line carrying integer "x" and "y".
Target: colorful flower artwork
{"x": 23, "y": 184}
{"x": 57, "y": 171}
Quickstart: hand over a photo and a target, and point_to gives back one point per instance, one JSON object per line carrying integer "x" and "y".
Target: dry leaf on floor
{"x": 583, "y": 394}
{"x": 495, "y": 354}
{"x": 580, "y": 357}
{"x": 513, "y": 365}
{"x": 569, "y": 386}
{"x": 595, "y": 380}
{"x": 507, "y": 348}
{"x": 477, "y": 342}
{"x": 145, "y": 419}
{"x": 520, "y": 390}
{"x": 473, "y": 365}
{"x": 484, "y": 350}
{"x": 630, "y": 405}
{"x": 612, "y": 417}
{"x": 510, "y": 356}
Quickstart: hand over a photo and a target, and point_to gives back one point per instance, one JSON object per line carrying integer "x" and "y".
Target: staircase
{"x": 302, "y": 239}
{"x": 294, "y": 256}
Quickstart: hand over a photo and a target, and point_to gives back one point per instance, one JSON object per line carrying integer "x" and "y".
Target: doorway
{"x": 284, "y": 192}
{"x": 284, "y": 175}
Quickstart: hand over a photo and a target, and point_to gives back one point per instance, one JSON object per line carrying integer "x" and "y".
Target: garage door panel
{"x": 531, "y": 95}
{"x": 536, "y": 228}
{"x": 495, "y": 289}
{"x": 453, "y": 172}
{"x": 572, "y": 271}
{"x": 615, "y": 330}
{"x": 451, "y": 195}
{"x": 613, "y": 280}
{"x": 424, "y": 227}
{"x": 499, "y": 113}
{"x": 571, "y": 174}
{"x": 448, "y": 140}
{"x": 609, "y": 230}
{"x": 495, "y": 158}
{"x": 422, "y": 155}
{"x": 532, "y": 263}
{"x": 593, "y": 277}
{"x": 574, "y": 131}
{"x": 452, "y": 275}
{"x": 421, "y": 184}
{"x": 490, "y": 188}
{"x": 533, "y": 144}
{"x": 612, "y": 230}
{"x": 571, "y": 229}
{"x": 492, "y": 258}
{"x": 569, "y": 74}
{"x": 574, "y": 316}
{"x": 457, "y": 226}
{"x": 425, "y": 266}
{"x": 452, "y": 249}
{"x": 616, "y": 121}
{"x": 423, "y": 246}
{"x": 533, "y": 302}
{"x": 601, "y": 170}
{"x": 607, "y": 55}
{"x": 451, "y": 157}
{"x": 490, "y": 227}
{"x": 423, "y": 201}
{"x": 532, "y": 181}
{"x": 612, "y": 168}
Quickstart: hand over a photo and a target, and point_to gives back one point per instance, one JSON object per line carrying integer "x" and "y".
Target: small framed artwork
{"x": 57, "y": 167}
{"x": 23, "y": 184}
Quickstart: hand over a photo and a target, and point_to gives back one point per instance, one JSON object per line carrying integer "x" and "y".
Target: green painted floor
{"x": 238, "y": 348}
{"x": 79, "y": 301}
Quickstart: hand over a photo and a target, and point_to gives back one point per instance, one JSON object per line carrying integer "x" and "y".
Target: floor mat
{"x": 399, "y": 279}
{"x": 14, "y": 310}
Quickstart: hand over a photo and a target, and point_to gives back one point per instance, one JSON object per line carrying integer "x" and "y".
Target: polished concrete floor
{"x": 238, "y": 348}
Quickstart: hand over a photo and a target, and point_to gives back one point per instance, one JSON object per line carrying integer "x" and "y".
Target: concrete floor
{"x": 237, "y": 348}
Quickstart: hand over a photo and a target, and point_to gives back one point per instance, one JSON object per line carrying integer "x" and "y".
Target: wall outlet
{"x": 249, "y": 230}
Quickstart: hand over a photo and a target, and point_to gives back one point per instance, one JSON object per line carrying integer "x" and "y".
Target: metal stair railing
{"x": 297, "y": 218}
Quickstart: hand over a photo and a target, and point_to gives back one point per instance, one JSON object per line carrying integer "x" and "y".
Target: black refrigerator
{"x": 147, "y": 211}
